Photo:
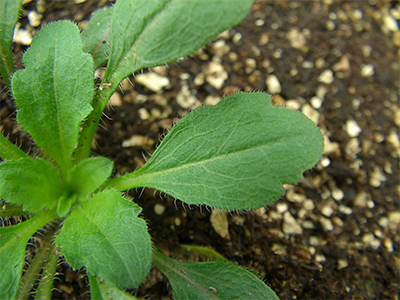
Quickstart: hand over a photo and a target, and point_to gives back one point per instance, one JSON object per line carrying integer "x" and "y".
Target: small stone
{"x": 221, "y": 48}
{"x": 293, "y": 104}
{"x": 296, "y": 38}
{"x": 316, "y": 102}
{"x": 250, "y": 65}
{"x": 377, "y": 177}
{"x": 345, "y": 210}
{"x": 308, "y": 225}
{"x": 159, "y": 209}
{"x": 366, "y": 50}
{"x": 311, "y": 113}
{"x": 326, "y": 77}
{"x": 320, "y": 258}
{"x": 388, "y": 244}
{"x": 138, "y": 140}
{"x": 320, "y": 63}
{"x": 337, "y": 194}
{"x": 352, "y": 128}
{"x": 390, "y": 22}
{"x": 143, "y": 114}
{"x": 327, "y": 210}
{"x": 281, "y": 207}
{"x": 237, "y": 37}
{"x": 34, "y": 18}
{"x": 115, "y": 99}
{"x": 186, "y": 100}
{"x": 330, "y": 25}
{"x": 290, "y": 225}
{"x": 370, "y": 240}
{"x": 367, "y": 70}
{"x": 259, "y": 22}
{"x": 361, "y": 199}
{"x": 152, "y": 81}
{"x": 343, "y": 65}
{"x": 273, "y": 84}
{"x": 396, "y": 38}
{"x": 238, "y": 220}
{"x": 22, "y": 36}
{"x": 326, "y": 223}
{"x": 394, "y": 217}
{"x": 342, "y": 263}
{"x": 219, "y": 222}
{"x": 216, "y": 74}
{"x": 212, "y": 100}
{"x": 307, "y": 64}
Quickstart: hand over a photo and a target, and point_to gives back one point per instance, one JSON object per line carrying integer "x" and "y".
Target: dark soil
{"x": 336, "y": 234}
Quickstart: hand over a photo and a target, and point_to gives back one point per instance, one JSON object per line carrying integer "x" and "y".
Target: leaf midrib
{"x": 203, "y": 162}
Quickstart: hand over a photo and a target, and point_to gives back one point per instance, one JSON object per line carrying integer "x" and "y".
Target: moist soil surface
{"x": 335, "y": 235}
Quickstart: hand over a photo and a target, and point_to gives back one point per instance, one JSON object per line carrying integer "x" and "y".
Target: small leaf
{"x": 211, "y": 280}
{"x": 150, "y": 33}
{"x": 9, "y": 11}
{"x": 13, "y": 240}
{"x": 101, "y": 290}
{"x": 95, "y": 34}
{"x": 105, "y": 235}
{"x": 85, "y": 177}
{"x": 235, "y": 155}
{"x": 54, "y": 91}
{"x": 33, "y": 183}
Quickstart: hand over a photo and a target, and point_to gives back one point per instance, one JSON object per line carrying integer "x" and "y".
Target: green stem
{"x": 126, "y": 182}
{"x": 89, "y": 127}
{"x": 9, "y": 151}
{"x": 45, "y": 287}
{"x": 32, "y": 273}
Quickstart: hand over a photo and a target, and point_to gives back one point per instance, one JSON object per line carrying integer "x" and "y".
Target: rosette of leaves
{"x": 235, "y": 155}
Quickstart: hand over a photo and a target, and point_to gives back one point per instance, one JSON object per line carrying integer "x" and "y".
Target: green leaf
{"x": 13, "y": 240}
{"x": 150, "y": 33}
{"x": 235, "y": 155}
{"x": 9, "y": 11}
{"x": 9, "y": 151}
{"x": 105, "y": 235}
{"x": 211, "y": 280}
{"x": 102, "y": 290}
{"x": 95, "y": 34}
{"x": 33, "y": 183}
{"x": 85, "y": 177}
{"x": 54, "y": 90}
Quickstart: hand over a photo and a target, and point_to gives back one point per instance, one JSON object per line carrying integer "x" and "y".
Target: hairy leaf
{"x": 102, "y": 290}
{"x": 105, "y": 235}
{"x": 85, "y": 177}
{"x": 54, "y": 91}
{"x": 9, "y": 11}
{"x": 211, "y": 280}
{"x": 13, "y": 241}
{"x": 95, "y": 34}
{"x": 150, "y": 33}
{"x": 33, "y": 183}
{"x": 235, "y": 155}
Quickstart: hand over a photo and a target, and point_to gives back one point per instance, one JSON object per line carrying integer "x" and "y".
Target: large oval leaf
{"x": 235, "y": 155}
{"x": 105, "y": 235}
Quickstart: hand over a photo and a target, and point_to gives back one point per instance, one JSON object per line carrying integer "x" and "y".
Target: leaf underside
{"x": 54, "y": 91}
{"x": 235, "y": 155}
{"x": 116, "y": 248}
{"x": 211, "y": 280}
{"x": 95, "y": 35}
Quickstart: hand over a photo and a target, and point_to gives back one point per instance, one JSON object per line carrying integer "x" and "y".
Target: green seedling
{"x": 234, "y": 156}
